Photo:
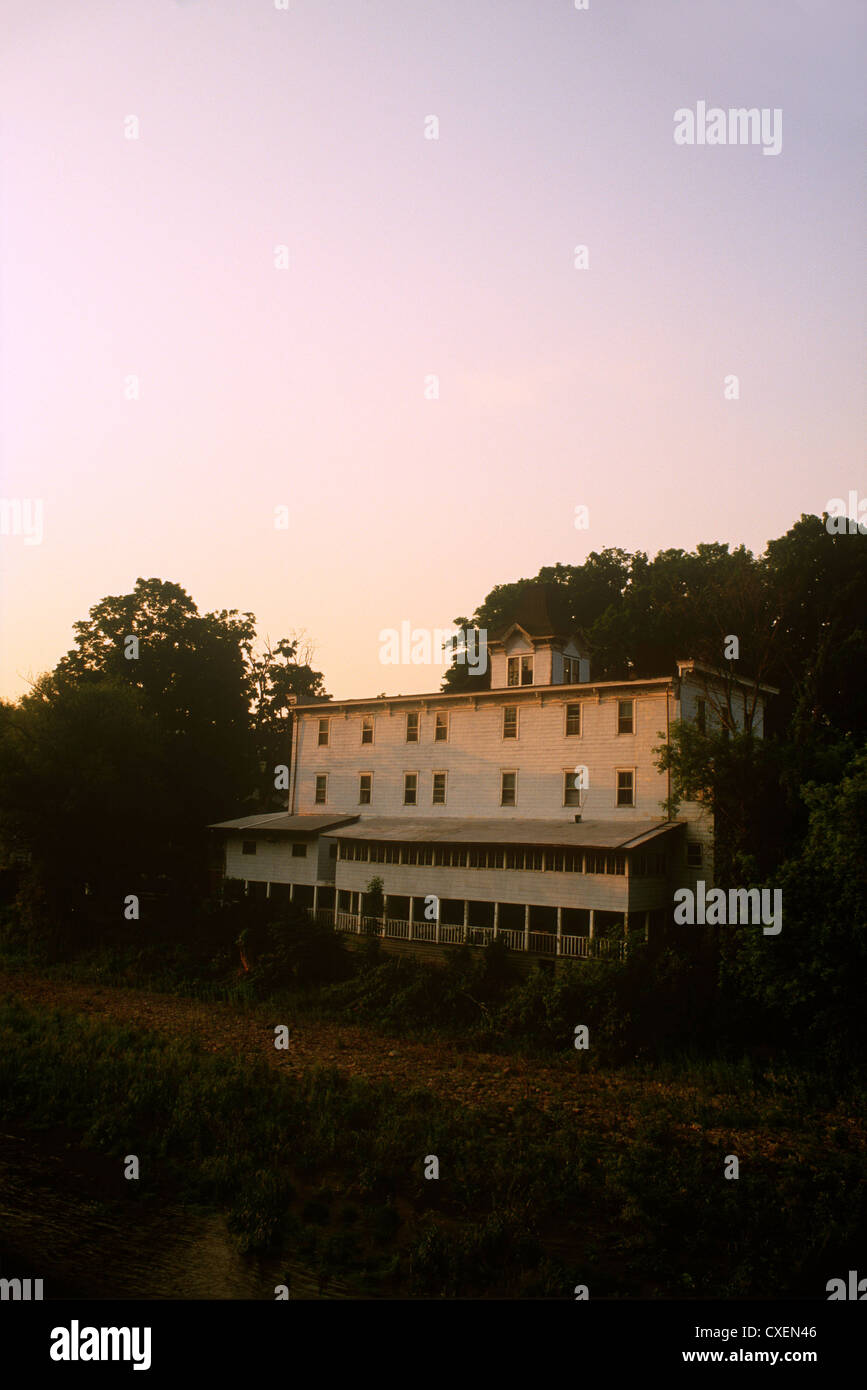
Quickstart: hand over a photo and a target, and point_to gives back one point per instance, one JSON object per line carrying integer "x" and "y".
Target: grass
{"x": 528, "y": 1203}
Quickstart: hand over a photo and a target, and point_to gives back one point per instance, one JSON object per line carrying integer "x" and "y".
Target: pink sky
{"x": 305, "y": 388}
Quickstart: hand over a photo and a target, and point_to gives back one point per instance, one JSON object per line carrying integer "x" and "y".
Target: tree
{"x": 809, "y": 979}
{"x": 155, "y": 725}
{"x": 279, "y": 680}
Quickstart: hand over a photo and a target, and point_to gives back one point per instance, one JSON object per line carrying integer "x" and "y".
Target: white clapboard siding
{"x": 475, "y": 755}
{"x": 272, "y": 862}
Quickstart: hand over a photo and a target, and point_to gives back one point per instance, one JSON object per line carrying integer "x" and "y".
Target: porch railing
{"x": 449, "y": 934}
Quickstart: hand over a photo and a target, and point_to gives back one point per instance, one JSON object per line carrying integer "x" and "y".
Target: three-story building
{"x": 532, "y": 810}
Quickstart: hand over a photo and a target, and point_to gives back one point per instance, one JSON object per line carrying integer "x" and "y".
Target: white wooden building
{"x": 532, "y": 810}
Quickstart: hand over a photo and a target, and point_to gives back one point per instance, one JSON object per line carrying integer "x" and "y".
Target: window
{"x": 365, "y": 787}
{"x": 412, "y": 727}
{"x": 626, "y": 716}
{"x": 248, "y": 847}
{"x": 367, "y": 728}
{"x": 321, "y": 785}
{"x": 571, "y": 791}
{"x": 571, "y": 670}
{"x": 508, "y": 789}
{"x": 510, "y": 721}
{"x": 520, "y": 670}
{"x": 299, "y": 850}
{"x": 439, "y": 789}
{"x": 701, "y": 716}
{"x": 441, "y": 727}
{"x": 693, "y": 854}
{"x": 626, "y": 788}
{"x": 410, "y": 788}
{"x": 323, "y": 732}
{"x": 573, "y": 720}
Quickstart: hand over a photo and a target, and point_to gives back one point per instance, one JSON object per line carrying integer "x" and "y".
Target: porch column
{"x": 291, "y": 892}
{"x": 466, "y": 917}
{"x": 336, "y": 903}
{"x": 496, "y": 920}
{"x": 315, "y": 898}
{"x": 268, "y": 889}
{"x": 411, "y": 915}
{"x": 358, "y": 920}
{"x": 592, "y": 924}
{"x": 384, "y": 914}
{"x": 647, "y": 925}
{"x": 526, "y": 926}
{"x": 437, "y": 927}
{"x": 559, "y": 931}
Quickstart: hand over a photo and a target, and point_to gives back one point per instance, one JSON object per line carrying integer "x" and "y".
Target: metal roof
{"x": 280, "y": 822}
{"x": 512, "y": 693}
{"x": 478, "y": 831}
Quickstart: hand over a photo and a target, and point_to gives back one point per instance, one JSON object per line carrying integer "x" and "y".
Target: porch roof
{"x": 478, "y": 831}
{"x": 280, "y": 822}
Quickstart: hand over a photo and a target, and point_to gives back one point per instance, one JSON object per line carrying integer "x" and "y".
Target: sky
{"x": 405, "y": 405}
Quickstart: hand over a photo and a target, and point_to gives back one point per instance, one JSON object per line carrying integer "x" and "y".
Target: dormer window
{"x": 571, "y": 670}
{"x": 520, "y": 670}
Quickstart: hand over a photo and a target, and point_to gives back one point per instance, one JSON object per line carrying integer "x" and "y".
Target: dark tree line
{"x": 114, "y": 763}
{"x": 790, "y": 809}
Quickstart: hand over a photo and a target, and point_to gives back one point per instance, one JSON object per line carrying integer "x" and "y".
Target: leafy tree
{"x": 808, "y": 981}
{"x": 158, "y": 722}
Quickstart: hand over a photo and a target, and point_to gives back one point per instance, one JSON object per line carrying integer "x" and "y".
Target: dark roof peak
{"x": 542, "y": 611}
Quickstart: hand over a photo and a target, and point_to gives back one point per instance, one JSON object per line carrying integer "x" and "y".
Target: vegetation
{"x": 633, "y": 1205}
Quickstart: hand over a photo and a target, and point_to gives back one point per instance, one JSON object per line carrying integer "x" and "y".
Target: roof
{"x": 280, "y": 822}
{"x": 511, "y": 693}
{"x": 481, "y": 831}
{"x": 542, "y": 611}
{"x": 688, "y": 664}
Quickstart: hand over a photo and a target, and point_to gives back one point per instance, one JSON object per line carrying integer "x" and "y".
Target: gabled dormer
{"x": 539, "y": 645}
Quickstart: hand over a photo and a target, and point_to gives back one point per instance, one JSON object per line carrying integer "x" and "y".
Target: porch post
{"x": 384, "y": 914}
{"x": 496, "y": 920}
{"x": 647, "y": 925}
{"x": 358, "y": 920}
{"x": 559, "y": 931}
{"x": 411, "y": 915}
{"x": 466, "y": 917}
{"x": 526, "y": 926}
{"x": 315, "y": 898}
{"x": 291, "y": 892}
{"x": 592, "y": 923}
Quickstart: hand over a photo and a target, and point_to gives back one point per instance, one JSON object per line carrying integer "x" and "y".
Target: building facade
{"x": 533, "y": 810}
